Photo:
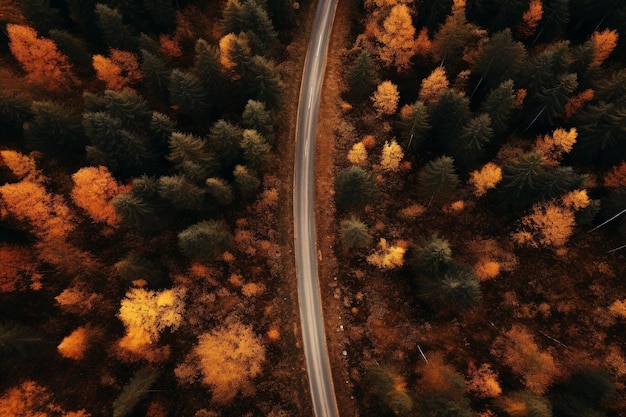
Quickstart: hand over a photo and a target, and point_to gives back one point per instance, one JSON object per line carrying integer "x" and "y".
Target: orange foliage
{"x": 486, "y": 269}
{"x": 519, "y": 351}
{"x": 423, "y": 44}
{"x": 74, "y": 345}
{"x": 552, "y": 147}
{"x": 22, "y": 166}
{"x": 94, "y": 188}
{"x": 169, "y": 47}
{"x": 10, "y": 12}
{"x": 616, "y": 177}
{"x": 18, "y": 266}
{"x": 228, "y": 44}
{"x": 32, "y": 400}
{"x": 397, "y": 38}
{"x": 603, "y": 44}
{"x": 77, "y": 300}
{"x": 530, "y": 19}
{"x": 39, "y": 57}
{"x": 436, "y": 375}
{"x": 485, "y": 179}
{"x": 576, "y": 102}
{"x": 434, "y": 84}
{"x": 549, "y": 224}
{"x": 520, "y": 95}
{"x": 119, "y": 71}
{"x": 576, "y": 200}
{"x": 385, "y": 98}
{"x": 412, "y": 211}
{"x": 483, "y": 381}
{"x": 391, "y": 156}
{"x": 618, "y": 308}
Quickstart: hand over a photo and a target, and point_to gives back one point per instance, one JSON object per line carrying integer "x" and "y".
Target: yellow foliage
{"x": 434, "y": 84}
{"x": 485, "y": 179}
{"x": 549, "y": 224}
{"x": 552, "y": 147}
{"x": 358, "y": 154}
{"x": 576, "y": 200}
{"x": 94, "y": 188}
{"x": 273, "y": 334}
{"x": 74, "y": 345}
{"x": 22, "y": 166}
{"x": 391, "y": 156}
{"x": 386, "y": 98}
{"x": 616, "y": 177}
{"x": 227, "y": 46}
{"x": 483, "y": 381}
{"x": 387, "y": 256}
{"x": 530, "y": 19}
{"x": 397, "y": 38}
{"x": 252, "y": 289}
{"x": 487, "y": 269}
{"x": 603, "y": 43}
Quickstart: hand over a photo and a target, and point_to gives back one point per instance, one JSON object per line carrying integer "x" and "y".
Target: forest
{"x": 478, "y": 158}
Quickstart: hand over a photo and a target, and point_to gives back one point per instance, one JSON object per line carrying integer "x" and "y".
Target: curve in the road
{"x": 312, "y": 321}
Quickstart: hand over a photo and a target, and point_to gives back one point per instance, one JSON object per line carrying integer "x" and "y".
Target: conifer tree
{"x": 14, "y": 109}
{"x": 499, "y": 105}
{"x": 187, "y": 94}
{"x": 113, "y": 30}
{"x": 261, "y": 82}
{"x": 129, "y": 107}
{"x": 551, "y": 100}
{"x": 354, "y": 234}
{"x": 601, "y": 128}
{"x": 160, "y": 129}
{"x": 84, "y": 13}
{"x": 181, "y": 193}
{"x": 469, "y": 148}
{"x": 496, "y": 15}
{"x": 233, "y": 17}
{"x": 75, "y": 48}
{"x": 500, "y": 59}
{"x": 354, "y": 189}
{"x": 220, "y": 191}
{"x": 156, "y": 74}
{"x": 282, "y": 13}
{"x": 53, "y": 127}
{"x": 205, "y": 240}
{"x": 415, "y": 124}
{"x": 41, "y": 14}
{"x": 187, "y": 148}
{"x": 554, "y": 19}
{"x": 246, "y": 182}
{"x": 208, "y": 70}
{"x": 448, "y": 116}
{"x": 235, "y": 54}
{"x": 225, "y": 139}
{"x": 255, "y": 116}
{"x": 438, "y": 179}
{"x": 255, "y": 149}
{"x": 257, "y": 21}
{"x": 612, "y": 89}
{"x": 134, "y": 391}
{"x": 137, "y": 212}
{"x": 520, "y": 178}
{"x": 362, "y": 77}
{"x": 433, "y": 256}
{"x": 454, "y": 289}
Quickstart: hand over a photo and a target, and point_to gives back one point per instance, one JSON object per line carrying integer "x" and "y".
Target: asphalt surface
{"x": 313, "y": 336}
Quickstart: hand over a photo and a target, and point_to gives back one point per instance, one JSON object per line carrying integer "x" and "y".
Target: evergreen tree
{"x": 520, "y": 178}
{"x": 256, "y": 116}
{"x": 134, "y": 391}
{"x": 554, "y": 20}
{"x": 205, "y": 241}
{"x": 261, "y": 82}
{"x": 15, "y": 109}
{"x": 83, "y": 12}
{"x": 496, "y": 14}
{"x": 354, "y": 189}
{"x": 181, "y": 193}
{"x": 135, "y": 265}
{"x": 75, "y": 48}
{"x": 282, "y": 13}
{"x": 160, "y": 129}
{"x": 543, "y": 69}
{"x": 584, "y": 393}
{"x": 53, "y": 127}
{"x": 246, "y": 182}
{"x": 113, "y": 30}
{"x": 454, "y": 289}
{"x": 186, "y": 149}
{"x": 612, "y": 89}
{"x": 550, "y": 101}
{"x": 129, "y": 107}
{"x": 156, "y": 74}
{"x": 233, "y": 17}
{"x": 208, "y": 69}
{"x": 220, "y": 191}
{"x": 362, "y": 78}
{"x": 137, "y": 212}
{"x": 433, "y": 256}
{"x": 415, "y": 124}
{"x": 225, "y": 139}
{"x": 499, "y": 105}
{"x": 187, "y": 94}
{"x": 500, "y": 59}
{"x": 256, "y": 151}
{"x": 448, "y": 116}
{"x": 42, "y": 16}
{"x": 354, "y": 234}
{"x": 601, "y": 133}
{"x": 438, "y": 179}
{"x": 469, "y": 148}
{"x": 257, "y": 21}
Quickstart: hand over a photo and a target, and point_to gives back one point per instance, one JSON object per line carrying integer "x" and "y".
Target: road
{"x": 312, "y": 321}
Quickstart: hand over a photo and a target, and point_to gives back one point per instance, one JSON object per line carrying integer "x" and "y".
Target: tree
{"x": 227, "y": 357}
{"x": 415, "y": 124}
{"x": 496, "y": 15}
{"x": 358, "y": 154}
{"x": 552, "y": 147}
{"x": 129, "y": 107}
{"x": 261, "y": 82}
{"x": 388, "y": 256}
{"x": 256, "y": 116}
{"x": 31, "y": 400}
{"x": 500, "y": 58}
{"x": 225, "y": 138}
{"x": 257, "y": 22}
{"x": 54, "y": 128}
{"x": 432, "y": 85}
{"x": 161, "y": 129}
{"x": 74, "y": 48}
{"x": 448, "y": 116}
{"x": 354, "y": 189}
{"x": 585, "y": 393}
{"x": 136, "y": 211}
{"x": 120, "y": 71}
{"x": 397, "y": 38}
{"x": 354, "y": 234}
{"x": 256, "y": 150}
{"x": 246, "y": 182}
{"x": 601, "y": 130}
{"x": 385, "y": 98}
{"x": 524, "y": 403}
{"x": 485, "y": 179}
{"x": 40, "y": 58}
{"x": 162, "y": 13}
{"x": 530, "y": 19}
{"x": 18, "y": 268}
{"x": 469, "y": 148}
{"x": 113, "y": 30}
{"x": 554, "y": 19}
{"x": 186, "y": 94}
{"x": 391, "y": 156}
{"x": 234, "y": 54}
{"x": 362, "y": 77}
{"x": 94, "y": 188}
{"x": 156, "y": 74}
{"x": 389, "y": 387}
{"x": 483, "y": 381}
{"x": 208, "y": 69}
{"x": 548, "y": 225}
{"x": 220, "y": 190}
{"x": 187, "y": 150}
{"x": 433, "y": 255}
{"x": 438, "y": 179}
{"x": 499, "y": 105}
{"x": 75, "y": 344}
{"x": 205, "y": 240}
{"x": 134, "y": 391}
{"x": 551, "y": 100}
{"x": 181, "y": 192}
{"x": 14, "y": 109}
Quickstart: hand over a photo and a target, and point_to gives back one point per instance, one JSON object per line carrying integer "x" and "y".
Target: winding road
{"x": 312, "y": 321}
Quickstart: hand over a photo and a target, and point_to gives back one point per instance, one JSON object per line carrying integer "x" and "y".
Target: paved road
{"x": 314, "y": 338}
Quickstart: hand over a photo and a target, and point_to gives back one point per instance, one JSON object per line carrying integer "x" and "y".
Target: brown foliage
{"x": 483, "y": 381}
{"x": 18, "y": 267}
{"x": 576, "y": 102}
{"x": 169, "y": 47}
{"x": 603, "y": 44}
{"x": 616, "y": 177}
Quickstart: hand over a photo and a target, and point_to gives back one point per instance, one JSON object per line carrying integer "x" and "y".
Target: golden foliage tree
{"x": 388, "y": 256}
{"x": 530, "y": 19}
{"x": 483, "y": 381}
{"x": 552, "y": 147}
{"x": 119, "y": 71}
{"x": 576, "y": 200}
{"x": 227, "y": 357}
{"x": 603, "y": 44}
{"x": 485, "y": 179}
{"x": 94, "y": 188}
{"x": 434, "y": 84}
{"x": 22, "y": 166}
{"x": 391, "y": 156}
{"x": 75, "y": 345}
{"x": 386, "y": 97}
{"x": 30, "y": 399}
{"x": 520, "y": 352}
{"x": 549, "y": 224}
{"x": 397, "y": 38}
{"x": 358, "y": 154}
{"x": 39, "y": 57}
{"x": 232, "y": 49}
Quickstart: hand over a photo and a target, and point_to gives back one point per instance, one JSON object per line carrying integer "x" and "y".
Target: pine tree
{"x": 187, "y": 94}
{"x": 75, "y": 48}
{"x": 354, "y": 234}
{"x": 415, "y": 124}
{"x": 554, "y": 20}
{"x": 113, "y": 30}
{"x": 282, "y": 13}
{"x": 601, "y": 129}
{"x": 160, "y": 129}
{"x": 433, "y": 257}
{"x": 233, "y": 17}
{"x": 496, "y": 15}
{"x": 500, "y": 59}
{"x": 261, "y": 82}
{"x": 520, "y": 178}
{"x": 354, "y": 189}
{"x": 612, "y": 89}
{"x": 255, "y": 149}
{"x": 220, "y": 191}
{"x": 156, "y": 74}
{"x": 205, "y": 241}
{"x": 438, "y": 179}
{"x": 129, "y": 107}
{"x": 551, "y": 100}
{"x": 499, "y": 105}
{"x": 14, "y": 109}
{"x": 41, "y": 14}
{"x": 454, "y": 289}
{"x": 362, "y": 77}
{"x": 84, "y": 13}
{"x": 235, "y": 54}
{"x": 469, "y": 148}
{"x": 256, "y": 116}
{"x": 181, "y": 193}
{"x": 134, "y": 391}
{"x": 448, "y": 116}
{"x": 137, "y": 212}
{"x": 135, "y": 265}
{"x": 208, "y": 70}
{"x": 185, "y": 149}
{"x": 225, "y": 139}
{"x": 53, "y": 127}
{"x": 246, "y": 182}
{"x": 257, "y": 21}
{"x": 543, "y": 69}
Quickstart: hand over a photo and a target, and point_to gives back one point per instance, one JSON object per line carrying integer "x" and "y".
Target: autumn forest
{"x": 472, "y": 178}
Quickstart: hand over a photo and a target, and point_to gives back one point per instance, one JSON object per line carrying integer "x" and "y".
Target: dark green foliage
{"x": 181, "y": 193}
{"x": 601, "y": 133}
{"x": 161, "y": 13}
{"x": 257, "y": 22}
{"x": 583, "y": 394}
{"x": 535, "y": 405}
{"x": 542, "y": 70}
{"x": 586, "y": 215}
{"x": 261, "y": 82}
{"x": 113, "y": 30}
{"x": 380, "y": 382}
{"x": 220, "y": 191}
{"x": 415, "y": 125}
{"x": 354, "y": 234}
{"x": 556, "y": 181}
{"x": 53, "y": 128}
{"x": 433, "y": 13}
{"x": 499, "y": 105}
{"x": 469, "y": 148}
{"x": 282, "y": 13}
{"x": 75, "y": 48}
{"x": 256, "y": 150}
{"x": 612, "y": 89}
{"x": 256, "y": 116}
{"x": 187, "y": 151}
{"x": 400, "y": 402}
{"x": 500, "y": 59}
{"x": 438, "y": 179}
{"x": 14, "y": 109}
{"x": 129, "y": 107}
{"x": 138, "y": 212}
{"x": 550, "y": 100}
{"x": 448, "y": 116}
{"x": 42, "y": 16}
{"x": 135, "y": 266}
{"x": 161, "y": 128}
{"x": 84, "y": 13}
{"x": 433, "y": 257}
{"x": 17, "y": 340}
{"x": 187, "y": 94}
{"x": 354, "y": 189}
{"x": 134, "y": 391}
{"x": 225, "y": 139}
{"x": 554, "y": 20}
{"x": 204, "y": 241}
{"x": 233, "y": 17}
{"x": 246, "y": 182}
{"x": 362, "y": 77}
{"x": 156, "y": 74}
{"x": 454, "y": 288}
{"x": 208, "y": 69}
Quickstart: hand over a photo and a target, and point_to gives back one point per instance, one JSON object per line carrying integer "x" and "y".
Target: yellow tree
{"x": 397, "y": 38}
{"x": 432, "y": 85}
{"x": 485, "y": 178}
{"x": 391, "y": 156}
{"x": 39, "y": 57}
{"x": 358, "y": 154}
{"x": 552, "y": 147}
{"x": 385, "y": 98}
{"x": 530, "y": 19}
{"x": 603, "y": 44}
{"x": 388, "y": 256}
{"x": 22, "y": 166}
{"x": 94, "y": 188}
{"x": 549, "y": 224}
